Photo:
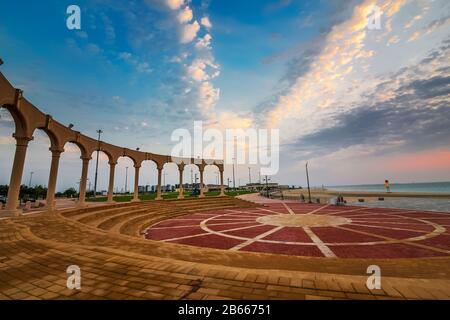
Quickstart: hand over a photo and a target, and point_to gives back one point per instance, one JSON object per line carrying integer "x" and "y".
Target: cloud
{"x": 125, "y": 56}
{"x": 206, "y": 22}
{"x": 204, "y": 43}
{"x": 410, "y": 23}
{"x": 342, "y": 46}
{"x": 408, "y": 111}
{"x": 174, "y": 4}
{"x": 143, "y": 67}
{"x": 93, "y": 49}
{"x": 110, "y": 32}
{"x": 140, "y": 66}
{"x": 185, "y": 15}
{"x": 430, "y": 28}
{"x": 196, "y": 70}
{"x": 208, "y": 96}
{"x": 414, "y": 36}
{"x": 189, "y": 32}
{"x": 393, "y": 40}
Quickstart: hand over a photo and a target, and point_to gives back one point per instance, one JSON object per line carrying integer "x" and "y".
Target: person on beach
{"x": 386, "y": 185}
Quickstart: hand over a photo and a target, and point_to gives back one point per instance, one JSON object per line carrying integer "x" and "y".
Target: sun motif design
{"x": 313, "y": 230}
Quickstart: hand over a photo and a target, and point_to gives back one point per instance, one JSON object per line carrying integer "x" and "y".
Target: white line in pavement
{"x": 250, "y": 241}
{"x": 288, "y": 208}
{"x": 322, "y": 246}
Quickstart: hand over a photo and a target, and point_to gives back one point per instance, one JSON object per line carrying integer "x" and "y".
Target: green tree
{"x": 70, "y": 193}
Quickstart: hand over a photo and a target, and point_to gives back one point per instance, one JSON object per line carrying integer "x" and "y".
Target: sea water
{"x": 422, "y": 187}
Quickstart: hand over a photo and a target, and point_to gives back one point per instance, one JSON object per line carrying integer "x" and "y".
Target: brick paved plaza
{"x": 328, "y": 261}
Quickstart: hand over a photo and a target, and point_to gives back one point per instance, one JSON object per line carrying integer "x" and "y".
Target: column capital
{"x": 21, "y": 140}
{"x": 160, "y": 168}
{"x": 113, "y": 163}
{"x": 55, "y": 152}
{"x": 87, "y": 159}
{"x": 137, "y": 166}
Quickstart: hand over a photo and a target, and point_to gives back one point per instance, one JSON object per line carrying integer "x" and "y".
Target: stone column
{"x": 222, "y": 186}
{"x": 112, "y": 170}
{"x": 136, "y": 183}
{"x": 50, "y": 201}
{"x": 181, "y": 190}
{"x": 158, "y": 187}
{"x": 202, "y": 195}
{"x": 15, "y": 181}
{"x": 83, "y": 182}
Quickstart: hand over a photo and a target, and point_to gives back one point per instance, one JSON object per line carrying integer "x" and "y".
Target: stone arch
{"x": 211, "y": 169}
{"x": 125, "y": 176}
{"x": 149, "y": 175}
{"x": 19, "y": 121}
{"x": 170, "y": 169}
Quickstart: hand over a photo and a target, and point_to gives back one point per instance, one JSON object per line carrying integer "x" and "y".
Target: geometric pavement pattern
{"x": 313, "y": 230}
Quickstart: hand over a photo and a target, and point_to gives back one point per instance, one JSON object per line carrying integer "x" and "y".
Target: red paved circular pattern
{"x": 313, "y": 230}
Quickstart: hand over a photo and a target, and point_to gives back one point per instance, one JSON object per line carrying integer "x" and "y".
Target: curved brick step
{"x": 89, "y": 217}
{"x": 117, "y": 220}
{"x": 72, "y": 212}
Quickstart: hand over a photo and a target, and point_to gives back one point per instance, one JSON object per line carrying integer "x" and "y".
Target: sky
{"x": 360, "y": 104}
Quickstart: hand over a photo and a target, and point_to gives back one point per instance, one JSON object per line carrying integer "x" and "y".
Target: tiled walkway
{"x": 117, "y": 263}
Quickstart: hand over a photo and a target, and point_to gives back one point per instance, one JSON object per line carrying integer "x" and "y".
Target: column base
{"x": 181, "y": 196}
{"x": 222, "y": 194}
{"x": 49, "y": 208}
{"x": 135, "y": 200}
{"x": 110, "y": 202}
{"x": 201, "y": 196}
{"x": 7, "y": 213}
{"x": 81, "y": 205}
{"x": 158, "y": 198}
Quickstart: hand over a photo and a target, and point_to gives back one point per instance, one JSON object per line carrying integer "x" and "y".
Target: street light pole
{"x": 267, "y": 186}
{"x": 307, "y": 180}
{"x": 99, "y": 131}
{"x": 31, "y": 177}
{"x": 234, "y": 180}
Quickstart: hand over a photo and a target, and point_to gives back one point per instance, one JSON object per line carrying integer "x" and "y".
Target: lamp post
{"x": 31, "y": 177}
{"x": 267, "y": 186}
{"x": 307, "y": 180}
{"x": 99, "y": 131}
{"x": 234, "y": 180}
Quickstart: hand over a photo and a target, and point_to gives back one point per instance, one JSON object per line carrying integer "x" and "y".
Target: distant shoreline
{"x": 367, "y": 194}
